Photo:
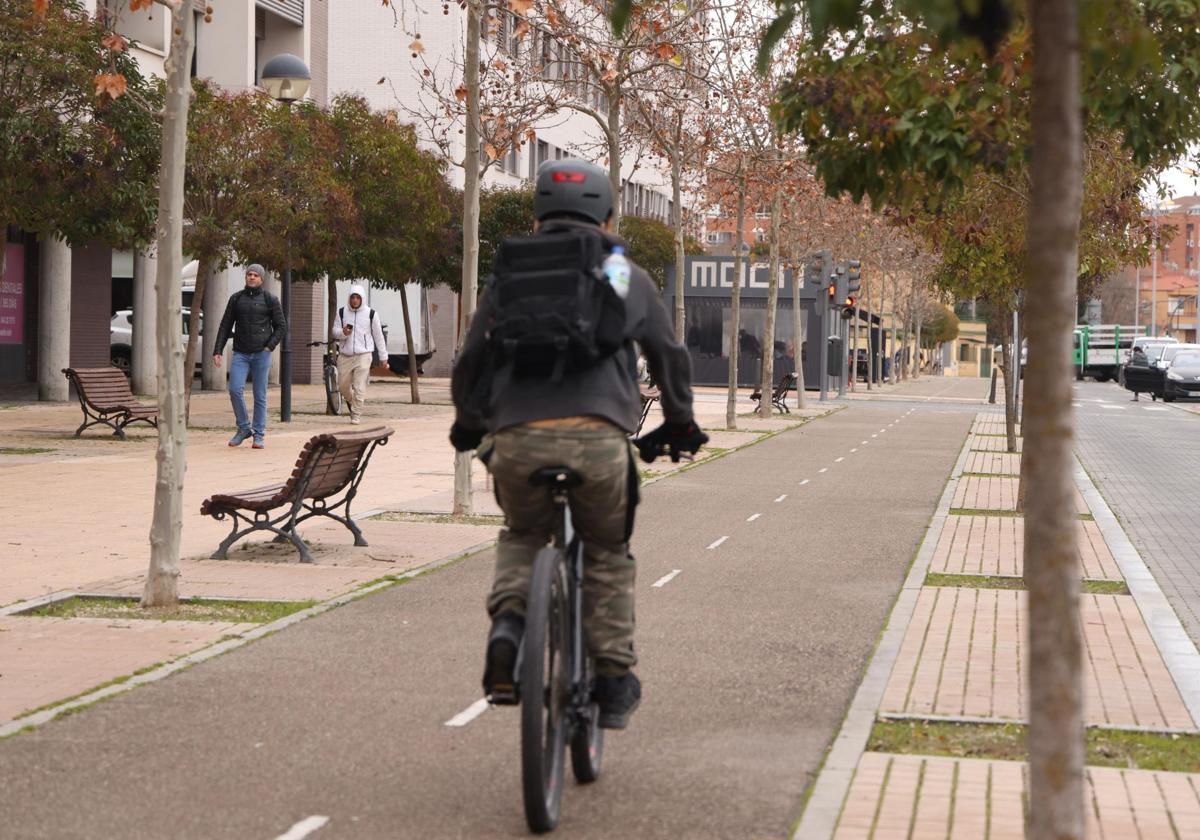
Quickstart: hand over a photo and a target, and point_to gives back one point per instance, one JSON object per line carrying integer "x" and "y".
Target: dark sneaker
{"x": 239, "y": 438}
{"x": 259, "y": 443}
{"x": 617, "y": 698}
{"x": 499, "y": 674}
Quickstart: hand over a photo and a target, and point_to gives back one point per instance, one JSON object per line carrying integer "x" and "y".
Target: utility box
{"x": 836, "y": 352}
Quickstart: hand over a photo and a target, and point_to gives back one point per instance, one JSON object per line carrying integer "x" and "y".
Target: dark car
{"x": 1151, "y": 377}
{"x": 1183, "y": 376}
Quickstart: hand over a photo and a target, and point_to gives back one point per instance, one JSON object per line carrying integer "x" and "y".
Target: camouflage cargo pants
{"x": 600, "y": 511}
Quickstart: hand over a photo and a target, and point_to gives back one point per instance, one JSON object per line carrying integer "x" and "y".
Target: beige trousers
{"x": 352, "y": 380}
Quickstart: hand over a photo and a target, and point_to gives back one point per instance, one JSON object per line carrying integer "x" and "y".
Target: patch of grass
{"x": 1104, "y": 747}
{"x": 24, "y": 450}
{"x": 981, "y": 512}
{"x": 124, "y": 678}
{"x": 1090, "y": 587}
{"x": 438, "y": 518}
{"x": 255, "y": 612}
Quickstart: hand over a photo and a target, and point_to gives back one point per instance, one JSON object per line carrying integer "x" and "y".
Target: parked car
{"x": 1183, "y": 375}
{"x": 120, "y": 338}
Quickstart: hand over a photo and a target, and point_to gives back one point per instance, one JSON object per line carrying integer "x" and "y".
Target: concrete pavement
{"x": 749, "y": 656}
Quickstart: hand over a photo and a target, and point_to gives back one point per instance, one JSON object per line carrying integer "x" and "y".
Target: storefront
{"x": 708, "y": 316}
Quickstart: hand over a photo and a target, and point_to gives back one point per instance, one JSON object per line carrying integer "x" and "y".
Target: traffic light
{"x": 853, "y": 276}
{"x": 817, "y": 269}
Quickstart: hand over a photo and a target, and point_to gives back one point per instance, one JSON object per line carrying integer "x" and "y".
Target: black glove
{"x": 464, "y": 439}
{"x": 675, "y": 438}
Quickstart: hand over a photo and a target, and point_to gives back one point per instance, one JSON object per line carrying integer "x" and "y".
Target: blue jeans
{"x": 258, "y": 365}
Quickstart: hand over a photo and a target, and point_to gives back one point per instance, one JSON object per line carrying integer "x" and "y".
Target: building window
{"x": 966, "y": 352}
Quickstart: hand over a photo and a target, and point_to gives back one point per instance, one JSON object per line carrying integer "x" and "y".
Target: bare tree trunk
{"x": 1056, "y": 749}
{"x": 414, "y": 389}
{"x": 735, "y": 317}
{"x": 897, "y": 358}
{"x": 677, "y": 221}
{"x": 613, "y": 135}
{"x": 463, "y": 503}
{"x": 798, "y": 333}
{"x": 871, "y": 348}
{"x": 917, "y": 341}
{"x": 203, "y": 269}
{"x": 162, "y": 578}
{"x": 331, "y": 305}
{"x": 768, "y": 342}
{"x": 854, "y": 351}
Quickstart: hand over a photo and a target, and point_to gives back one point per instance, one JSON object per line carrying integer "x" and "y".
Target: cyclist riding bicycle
{"x": 580, "y": 419}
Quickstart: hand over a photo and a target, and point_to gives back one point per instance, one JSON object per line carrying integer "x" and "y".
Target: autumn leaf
{"x": 490, "y": 151}
{"x": 520, "y": 7}
{"x": 609, "y": 74}
{"x": 530, "y": 135}
{"x": 112, "y": 84}
{"x": 40, "y": 7}
{"x": 499, "y": 64}
{"x": 115, "y": 42}
{"x": 460, "y": 93}
{"x": 134, "y": 5}
{"x": 552, "y": 17}
{"x": 665, "y": 51}
{"x": 522, "y": 30}
{"x": 416, "y": 46}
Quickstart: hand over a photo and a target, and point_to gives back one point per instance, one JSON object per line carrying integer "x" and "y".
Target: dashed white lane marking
{"x": 864, "y": 443}
{"x": 718, "y": 542}
{"x": 874, "y": 435}
{"x": 1114, "y": 407}
{"x": 1077, "y": 405}
{"x": 823, "y": 469}
{"x": 802, "y": 483}
{"x": 307, "y": 825}
{"x": 1154, "y": 408}
{"x": 781, "y": 498}
{"x": 468, "y": 714}
{"x": 665, "y": 579}
{"x": 852, "y": 451}
{"x": 839, "y": 459}
{"x": 752, "y": 517}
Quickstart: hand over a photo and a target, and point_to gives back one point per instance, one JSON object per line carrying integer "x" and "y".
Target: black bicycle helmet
{"x": 572, "y": 187}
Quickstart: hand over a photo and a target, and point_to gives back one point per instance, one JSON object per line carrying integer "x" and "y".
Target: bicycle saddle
{"x": 563, "y": 478}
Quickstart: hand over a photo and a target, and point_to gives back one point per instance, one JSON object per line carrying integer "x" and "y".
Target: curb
{"x": 824, "y": 808}
{"x": 1173, "y": 643}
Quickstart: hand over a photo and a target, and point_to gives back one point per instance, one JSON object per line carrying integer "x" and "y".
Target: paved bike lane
{"x": 750, "y": 654}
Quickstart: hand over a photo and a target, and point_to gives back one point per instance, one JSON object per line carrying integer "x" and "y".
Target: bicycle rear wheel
{"x": 587, "y": 741}
{"x": 333, "y": 397}
{"x": 545, "y": 690}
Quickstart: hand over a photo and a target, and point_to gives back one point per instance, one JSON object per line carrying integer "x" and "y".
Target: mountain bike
{"x": 333, "y": 397}
{"x": 554, "y": 671}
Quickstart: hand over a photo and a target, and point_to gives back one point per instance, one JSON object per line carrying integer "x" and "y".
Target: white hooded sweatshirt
{"x": 367, "y": 334}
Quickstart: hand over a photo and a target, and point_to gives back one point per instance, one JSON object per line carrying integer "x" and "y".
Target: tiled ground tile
{"x": 992, "y": 545}
{"x": 991, "y": 424}
{"x": 968, "y": 799}
{"x": 994, "y": 493}
{"x": 995, "y": 463}
{"x": 964, "y": 656}
{"x": 991, "y": 443}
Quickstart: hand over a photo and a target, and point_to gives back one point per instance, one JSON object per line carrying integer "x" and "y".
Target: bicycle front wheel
{"x": 333, "y": 397}
{"x": 545, "y": 690}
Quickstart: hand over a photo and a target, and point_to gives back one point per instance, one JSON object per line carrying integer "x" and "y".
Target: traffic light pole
{"x": 824, "y": 372}
{"x": 844, "y": 332}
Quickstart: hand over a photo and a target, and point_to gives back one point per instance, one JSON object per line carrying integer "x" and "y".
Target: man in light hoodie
{"x": 359, "y": 335}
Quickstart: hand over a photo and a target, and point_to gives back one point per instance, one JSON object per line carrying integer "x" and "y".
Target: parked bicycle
{"x": 555, "y": 672}
{"x": 333, "y": 397}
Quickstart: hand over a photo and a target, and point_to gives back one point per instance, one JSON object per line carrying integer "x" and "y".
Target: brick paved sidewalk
{"x": 897, "y": 797}
{"x": 962, "y": 658}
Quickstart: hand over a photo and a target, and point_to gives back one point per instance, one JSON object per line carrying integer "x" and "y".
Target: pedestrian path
{"x": 955, "y": 656}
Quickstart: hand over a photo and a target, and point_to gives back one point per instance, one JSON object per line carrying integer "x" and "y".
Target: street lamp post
{"x": 286, "y": 78}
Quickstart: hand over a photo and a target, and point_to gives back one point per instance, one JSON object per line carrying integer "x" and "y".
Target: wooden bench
{"x": 329, "y": 464}
{"x": 779, "y": 395}
{"x": 105, "y": 398}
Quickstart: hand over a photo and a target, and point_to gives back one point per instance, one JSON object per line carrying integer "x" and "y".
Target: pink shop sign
{"x": 12, "y": 296}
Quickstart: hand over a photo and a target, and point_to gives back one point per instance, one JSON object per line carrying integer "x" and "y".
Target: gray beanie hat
{"x": 257, "y": 269}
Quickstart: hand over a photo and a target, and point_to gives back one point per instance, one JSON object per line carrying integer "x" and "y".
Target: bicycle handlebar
{"x": 680, "y": 447}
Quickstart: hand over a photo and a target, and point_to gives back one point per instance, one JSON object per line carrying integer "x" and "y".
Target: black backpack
{"x": 554, "y": 311}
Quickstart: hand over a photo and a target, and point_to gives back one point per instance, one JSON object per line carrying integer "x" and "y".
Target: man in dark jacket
{"x": 255, "y": 318}
{"x": 581, "y": 421}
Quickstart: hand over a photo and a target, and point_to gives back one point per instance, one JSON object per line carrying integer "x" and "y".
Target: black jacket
{"x": 608, "y": 390}
{"x": 255, "y": 318}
